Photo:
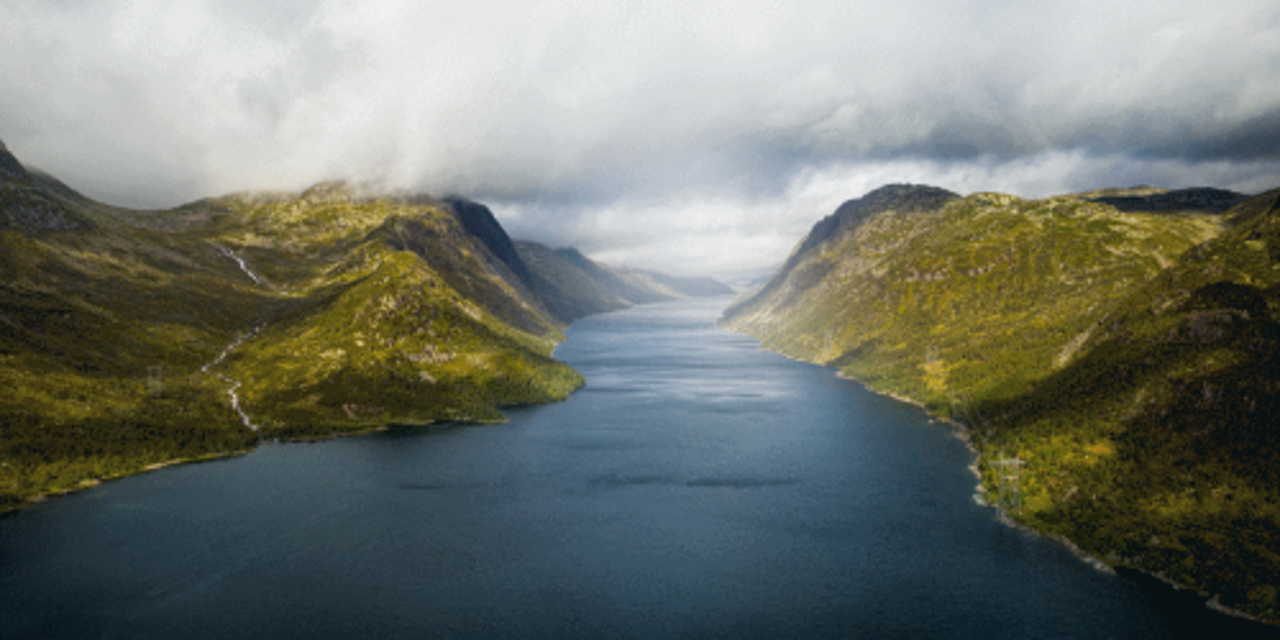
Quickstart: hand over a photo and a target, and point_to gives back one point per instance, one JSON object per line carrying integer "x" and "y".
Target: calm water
{"x": 697, "y": 487}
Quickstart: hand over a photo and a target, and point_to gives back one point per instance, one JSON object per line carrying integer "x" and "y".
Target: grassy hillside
{"x": 1123, "y": 360}
{"x": 930, "y": 295}
{"x": 125, "y": 334}
{"x": 1158, "y": 446}
{"x": 388, "y": 310}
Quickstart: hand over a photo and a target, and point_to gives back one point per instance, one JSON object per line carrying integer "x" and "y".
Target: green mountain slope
{"x": 922, "y": 293}
{"x": 388, "y": 310}
{"x": 1123, "y": 361}
{"x": 96, "y": 316}
{"x": 125, "y": 336}
{"x": 1158, "y": 446}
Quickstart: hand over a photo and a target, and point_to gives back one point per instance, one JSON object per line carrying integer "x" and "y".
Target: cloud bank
{"x": 695, "y": 137}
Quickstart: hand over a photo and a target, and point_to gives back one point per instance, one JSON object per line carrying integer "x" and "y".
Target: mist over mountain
{"x": 135, "y": 338}
{"x": 604, "y": 127}
{"x": 266, "y": 222}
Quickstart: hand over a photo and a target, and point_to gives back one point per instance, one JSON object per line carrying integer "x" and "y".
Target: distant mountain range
{"x": 573, "y": 286}
{"x": 1112, "y": 355}
{"x": 130, "y": 339}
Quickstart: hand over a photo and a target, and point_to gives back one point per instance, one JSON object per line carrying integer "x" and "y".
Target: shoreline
{"x": 89, "y": 483}
{"x": 961, "y": 433}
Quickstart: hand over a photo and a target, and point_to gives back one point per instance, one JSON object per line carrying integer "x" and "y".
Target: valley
{"x": 1110, "y": 356}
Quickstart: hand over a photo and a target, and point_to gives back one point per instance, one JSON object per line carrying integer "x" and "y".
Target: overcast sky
{"x": 693, "y": 137}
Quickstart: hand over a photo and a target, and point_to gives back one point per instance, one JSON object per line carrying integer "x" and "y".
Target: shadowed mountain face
{"x": 10, "y": 168}
{"x": 1127, "y": 359}
{"x": 1207, "y": 200}
{"x": 573, "y": 286}
{"x": 479, "y": 221}
{"x": 24, "y": 205}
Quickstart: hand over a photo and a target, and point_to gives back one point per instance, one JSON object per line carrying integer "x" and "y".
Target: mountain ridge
{"x": 850, "y": 214}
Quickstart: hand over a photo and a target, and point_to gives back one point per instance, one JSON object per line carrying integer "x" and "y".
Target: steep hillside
{"x": 134, "y": 338}
{"x": 805, "y": 266}
{"x": 922, "y": 293}
{"x": 1116, "y": 369}
{"x": 1158, "y": 446}
{"x": 103, "y": 329}
{"x": 388, "y": 310}
{"x": 572, "y": 286}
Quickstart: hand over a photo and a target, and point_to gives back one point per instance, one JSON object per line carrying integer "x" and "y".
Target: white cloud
{"x": 717, "y": 121}
{"x": 731, "y": 235}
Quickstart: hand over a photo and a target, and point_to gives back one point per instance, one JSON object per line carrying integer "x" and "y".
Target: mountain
{"x": 675, "y": 287}
{"x": 1200, "y": 199}
{"x": 573, "y": 286}
{"x": 480, "y": 222}
{"x": 1115, "y": 370}
{"x": 135, "y": 338}
{"x": 1179, "y": 387}
{"x": 24, "y": 205}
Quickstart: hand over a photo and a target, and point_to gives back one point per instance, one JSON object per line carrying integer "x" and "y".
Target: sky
{"x": 699, "y": 138}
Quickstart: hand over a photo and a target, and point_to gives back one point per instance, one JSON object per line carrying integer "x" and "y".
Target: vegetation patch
{"x": 1116, "y": 369}
{"x": 126, "y": 334}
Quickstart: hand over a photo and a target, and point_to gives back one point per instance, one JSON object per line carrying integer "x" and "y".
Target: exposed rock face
{"x": 478, "y": 220}
{"x": 25, "y": 205}
{"x": 34, "y": 213}
{"x": 10, "y": 168}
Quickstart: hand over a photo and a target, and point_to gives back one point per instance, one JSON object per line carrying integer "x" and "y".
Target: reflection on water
{"x": 697, "y": 487}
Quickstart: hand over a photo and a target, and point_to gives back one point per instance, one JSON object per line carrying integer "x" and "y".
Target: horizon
{"x": 695, "y": 140}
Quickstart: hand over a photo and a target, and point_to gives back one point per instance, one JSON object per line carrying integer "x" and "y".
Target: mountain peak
{"x": 480, "y": 222}
{"x": 10, "y": 168}
{"x": 333, "y": 191}
{"x": 903, "y": 198}
{"x": 906, "y": 197}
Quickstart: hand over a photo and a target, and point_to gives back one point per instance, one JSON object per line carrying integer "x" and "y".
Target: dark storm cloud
{"x": 1256, "y": 138}
{"x": 708, "y": 135}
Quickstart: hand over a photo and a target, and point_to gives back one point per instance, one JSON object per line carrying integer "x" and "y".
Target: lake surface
{"x": 697, "y": 487}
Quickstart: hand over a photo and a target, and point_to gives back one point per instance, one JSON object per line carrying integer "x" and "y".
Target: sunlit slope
{"x": 349, "y": 311}
{"x": 1158, "y": 446}
{"x": 929, "y": 295}
{"x": 103, "y": 329}
{"x": 1125, "y": 362}
{"x": 388, "y": 311}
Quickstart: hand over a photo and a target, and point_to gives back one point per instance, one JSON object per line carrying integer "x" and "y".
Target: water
{"x": 697, "y": 487}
